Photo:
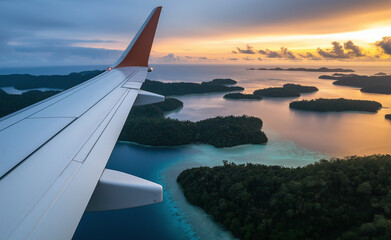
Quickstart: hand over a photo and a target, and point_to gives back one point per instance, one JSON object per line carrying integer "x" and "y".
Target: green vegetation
{"x": 182, "y": 88}
{"x": 224, "y": 81}
{"x": 147, "y": 125}
{"x": 322, "y": 69}
{"x": 242, "y": 96}
{"x": 363, "y": 81}
{"x": 378, "y": 83}
{"x": 10, "y": 103}
{"x": 288, "y": 90}
{"x": 388, "y": 116}
{"x": 27, "y": 81}
{"x": 300, "y": 89}
{"x": 276, "y": 92}
{"x": 377, "y": 89}
{"x": 347, "y": 199}
{"x": 336, "y": 105}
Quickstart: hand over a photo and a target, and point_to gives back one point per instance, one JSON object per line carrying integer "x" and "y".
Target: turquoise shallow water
{"x": 174, "y": 218}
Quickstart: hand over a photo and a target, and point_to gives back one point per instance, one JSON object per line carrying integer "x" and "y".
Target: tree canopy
{"x": 336, "y": 105}
{"x": 347, "y": 199}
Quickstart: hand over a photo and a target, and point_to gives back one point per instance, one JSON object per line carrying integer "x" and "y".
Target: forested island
{"x": 182, "y": 88}
{"x": 322, "y": 69}
{"x": 288, "y": 90}
{"x": 242, "y": 96}
{"x": 346, "y": 198}
{"x": 299, "y": 88}
{"x": 378, "y": 83}
{"x": 224, "y": 81}
{"x": 385, "y": 89}
{"x": 10, "y": 103}
{"x": 276, "y": 92}
{"x": 27, "y": 81}
{"x": 147, "y": 125}
{"x": 336, "y": 105}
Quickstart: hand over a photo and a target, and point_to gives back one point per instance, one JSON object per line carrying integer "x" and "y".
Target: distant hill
{"x": 183, "y": 88}
{"x": 322, "y": 69}
{"x": 27, "y": 81}
{"x": 378, "y": 83}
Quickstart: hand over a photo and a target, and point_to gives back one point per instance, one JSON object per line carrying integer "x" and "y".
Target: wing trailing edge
{"x": 138, "y": 51}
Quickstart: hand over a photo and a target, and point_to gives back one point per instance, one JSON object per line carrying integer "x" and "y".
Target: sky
{"x": 95, "y": 32}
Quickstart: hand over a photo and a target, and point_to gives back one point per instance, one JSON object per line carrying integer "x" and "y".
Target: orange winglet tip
{"x": 138, "y": 51}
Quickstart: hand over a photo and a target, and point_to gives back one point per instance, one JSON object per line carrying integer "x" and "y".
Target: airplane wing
{"x": 53, "y": 154}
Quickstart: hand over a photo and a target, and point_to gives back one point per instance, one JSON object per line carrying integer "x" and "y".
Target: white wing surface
{"x": 53, "y": 154}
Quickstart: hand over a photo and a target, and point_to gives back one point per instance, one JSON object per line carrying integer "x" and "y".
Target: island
{"x": 385, "y": 89}
{"x": 242, "y": 96}
{"x": 380, "y": 74}
{"x": 345, "y": 198}
{"x": 388, "y": 116}
{"x": 377, "y": 83}
{"x": 183, "y": 88}
{"x": 27, "y": 81}
{"x": 276, "y": 92}
{"x": 300, "y": 89}
{"x": 10, "y": 103}
{"x": 336, "y": 105}
{"x": 224, "y": 81}
{"x": 322, "y": 69}
{"x": 147, "y": 125}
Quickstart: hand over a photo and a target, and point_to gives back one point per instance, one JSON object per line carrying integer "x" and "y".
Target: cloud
{"x": 170, "y": 58}
{"x": 338, "y": 51}
{"x": 249, "y": 50}
{"x": 353, "y": 50}
{"x": 233, "y": 59}
{"x": 234, "y": 52}
{"x": 309, "y": 56}
{"x": 283, "y": 53}
{"x": 248, "y": 59}
{"x": 385, "y": 44}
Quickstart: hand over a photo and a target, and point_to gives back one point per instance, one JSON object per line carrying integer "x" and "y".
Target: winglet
{"x": 137, "y": 53}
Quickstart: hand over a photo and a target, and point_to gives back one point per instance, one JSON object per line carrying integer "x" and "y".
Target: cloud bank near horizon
{"x": 94, "y": 32}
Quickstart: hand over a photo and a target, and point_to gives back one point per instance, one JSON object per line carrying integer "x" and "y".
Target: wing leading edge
{"x": 54, "y": 153}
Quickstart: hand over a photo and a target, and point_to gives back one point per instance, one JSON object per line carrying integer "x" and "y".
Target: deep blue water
{"x": 148, "y": 222}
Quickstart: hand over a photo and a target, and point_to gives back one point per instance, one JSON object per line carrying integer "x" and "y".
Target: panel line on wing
{"x": 88, "y": 145}
{"x": 59, "y": 95}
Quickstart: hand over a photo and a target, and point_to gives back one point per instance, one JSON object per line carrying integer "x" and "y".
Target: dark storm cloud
{"x": 248, "y": 50}
{"x": 338, "y": 51}
{"x": 385, "y": 45}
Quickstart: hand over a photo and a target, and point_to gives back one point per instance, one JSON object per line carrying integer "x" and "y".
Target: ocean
{"x": 296, "y": 138}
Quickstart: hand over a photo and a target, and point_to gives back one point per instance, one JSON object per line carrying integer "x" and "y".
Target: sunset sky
{"x": 46, "y": 32}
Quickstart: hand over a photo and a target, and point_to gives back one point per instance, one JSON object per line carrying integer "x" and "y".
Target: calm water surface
{"x": 296, "y": 138}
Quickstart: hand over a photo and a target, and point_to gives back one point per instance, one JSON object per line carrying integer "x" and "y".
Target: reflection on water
{"x": 338, "y": 134}
{"x": 296, "y": 138}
